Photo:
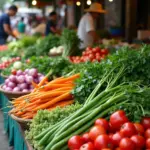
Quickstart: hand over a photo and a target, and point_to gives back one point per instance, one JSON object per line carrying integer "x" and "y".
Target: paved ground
{"x": 3, "y": 138}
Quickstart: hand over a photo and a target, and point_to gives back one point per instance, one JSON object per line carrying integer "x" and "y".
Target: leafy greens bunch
{"x": 136, "y": 63}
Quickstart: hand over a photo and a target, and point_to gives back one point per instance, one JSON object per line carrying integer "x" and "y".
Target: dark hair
{"x": 13, "y": 7}
{"x": 22, "y": 18}
{"x": 53, "y": 13}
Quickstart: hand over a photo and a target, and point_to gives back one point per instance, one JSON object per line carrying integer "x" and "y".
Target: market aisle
{"x": 3, "y": 138}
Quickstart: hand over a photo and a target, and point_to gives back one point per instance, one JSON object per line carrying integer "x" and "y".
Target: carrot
{"x": 55, "y": 86}
{"x": 34, "y": 84}
{"x": 64, "y": 96}
{"x": 61, "y": 104}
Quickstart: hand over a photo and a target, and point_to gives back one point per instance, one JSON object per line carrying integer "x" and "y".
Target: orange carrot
{"x": 55, "y": 100}
{"x": 61, "y": 104}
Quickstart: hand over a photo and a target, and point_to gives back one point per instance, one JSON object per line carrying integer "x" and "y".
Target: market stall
{"x": 75, "y": 95}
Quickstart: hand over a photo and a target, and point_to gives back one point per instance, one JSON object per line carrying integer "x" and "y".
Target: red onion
{"x": 29, "y": 79}
{"x": 25, "y": 90}
{"x": 16, "y": 89}
{"x": 19, "y": 72}
{"x": 8, "y": 89}
{"x": 7, "y": 81}
{"x": 11, "y": 85}
{"x": 12, "y": 78}
{"x": 21, "y": 79}
{"x": 23, "y": 86}
{"x": 33, "y": 72}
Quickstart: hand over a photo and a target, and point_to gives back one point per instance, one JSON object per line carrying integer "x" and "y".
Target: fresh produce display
{"x": 130, "y": 97}
{"x": 116, "y": 134}
{"x": 6, "y": 61}
{"x": 46, "y": 95}
{"x": 45, "y": 119}
{"x": 97, "y": 100}
{"x": 90, "y": 54}
{"x": 22, "y": 81}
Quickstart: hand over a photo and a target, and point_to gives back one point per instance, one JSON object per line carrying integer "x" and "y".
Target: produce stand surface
{"x": 12, "y": 128}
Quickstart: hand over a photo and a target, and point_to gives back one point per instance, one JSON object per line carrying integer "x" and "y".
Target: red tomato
{"x": 83, "y": 53}
{"x": 106, "y": 149}
{"x": 87, "y": 146}
{"x": 14, "y": 72}
{"x": 75, "y": 142}
{"x": 117, "y": 119}
{"x": 139, "y": 128}
{"x": 147, "y": 133}
{"x": 103, "y": 141}
{"x": 103, "y": 122}
{"x": 104, "y": 51}
{"x": 127, "y": 144}
{"x": 110, "y": 135}
{"x": 94, "y": 60}
{"x": 116, "y": 138}
{"x": 86, "y": 137}
{"x": 94, "y": 50}
{"x": 128, "y": 129}
{"x": 146, "y": 122}
{"x": 88, "y": 48}
{"x": 96, "y": 131}
{"x": 91, "y": 56}
{"x": 111, "y": 129}
{"x": 98, "y": 58}
{"x": 148, "y": 143}
{"x": 117, "y": 148}
{"x": 138, "y": 140}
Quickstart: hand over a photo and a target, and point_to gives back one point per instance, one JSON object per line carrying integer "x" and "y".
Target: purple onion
{"x": 11, "y": 85}
{"x": 16, "y": 89}
{"x": 19, "y": 72}
{"x": 29, "y": 79}
{"x": 8, "y": 89}
{"x": 26, "y": 71}
{"x": 23, "y": 86}
{"x": 25, "y": 90}
{"x": 7, "y": 81}
{"x": 12, "y": 78}
{"x": 21, "y": 79}
{"x": 33, "y": 72}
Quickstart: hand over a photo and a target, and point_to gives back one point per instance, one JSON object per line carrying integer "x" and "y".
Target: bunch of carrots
{"x": 46, "y": 95}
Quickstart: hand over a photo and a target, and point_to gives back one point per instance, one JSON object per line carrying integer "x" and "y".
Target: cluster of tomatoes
{"x": 117, "y": 134}
{"x": 5, "y": 64}
{"x": 90, "y": 54}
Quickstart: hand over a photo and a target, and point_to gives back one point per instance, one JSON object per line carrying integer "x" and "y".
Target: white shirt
{"x": 86, "y": 25}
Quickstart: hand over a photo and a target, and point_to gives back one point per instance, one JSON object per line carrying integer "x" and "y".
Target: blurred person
{"x": 51, "y": 24}
{"x": 86, "y": 28}
{"x": 5, "y": 25}
{"x": 21, "y": 26}
{"x": 40, "y": 28}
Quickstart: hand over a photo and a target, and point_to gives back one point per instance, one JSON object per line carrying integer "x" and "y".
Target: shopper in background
{"x": 21, "y": 26}
{"x": 87, "y": 29}
{"x": 5, "y": 26}
{"x": 51, "y": 24}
